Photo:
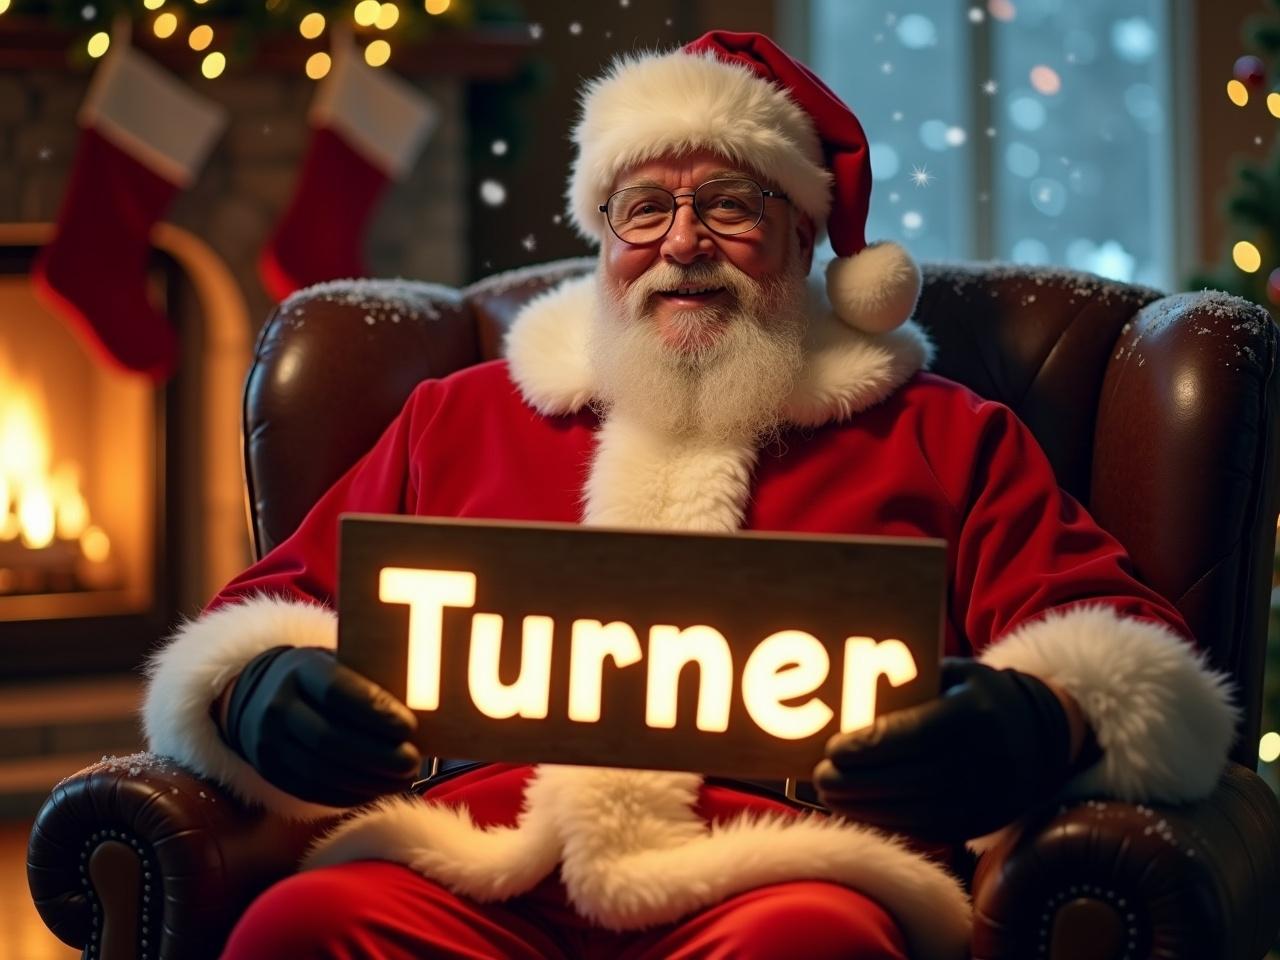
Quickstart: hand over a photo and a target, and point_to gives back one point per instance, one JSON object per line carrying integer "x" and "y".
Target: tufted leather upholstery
{"x": 1160, "y": 413}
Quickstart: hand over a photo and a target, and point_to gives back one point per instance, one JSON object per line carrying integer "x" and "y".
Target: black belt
{"x": 796, "y": 793}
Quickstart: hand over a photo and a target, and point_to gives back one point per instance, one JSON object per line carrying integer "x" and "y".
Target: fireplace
{"x": 120, "y": 501}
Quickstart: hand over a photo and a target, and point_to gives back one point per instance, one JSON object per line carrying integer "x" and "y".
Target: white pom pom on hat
{"x": 742, "y": 96}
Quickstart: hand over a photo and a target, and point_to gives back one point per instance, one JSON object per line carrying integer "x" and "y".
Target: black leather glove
{"x": 319, "y": 730}
{"x": 975, "y": 758}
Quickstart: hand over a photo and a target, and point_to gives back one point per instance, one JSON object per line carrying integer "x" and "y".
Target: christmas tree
{"x": 1250, "y": 268}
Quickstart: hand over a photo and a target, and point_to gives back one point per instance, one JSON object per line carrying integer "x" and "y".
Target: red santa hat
{"x": 742, "y": 96}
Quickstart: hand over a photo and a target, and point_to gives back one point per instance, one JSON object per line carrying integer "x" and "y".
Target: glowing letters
{"x": 784, "y": 666}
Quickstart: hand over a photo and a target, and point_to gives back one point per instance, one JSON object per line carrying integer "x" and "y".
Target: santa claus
{"x": 697, "y": 381}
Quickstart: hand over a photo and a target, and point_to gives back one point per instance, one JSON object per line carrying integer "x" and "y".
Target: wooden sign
{"x": 734, "y": 655}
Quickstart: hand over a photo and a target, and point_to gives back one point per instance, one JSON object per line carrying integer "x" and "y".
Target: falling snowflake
{"x": 557, "y": 219}
{"x": 493, "y": 193}
{"x": 499, "y": 148}
{"x": 575, "y": 28}
{"x": 44, "y": 153}
{"x": 668, "y": 21}
{"x": 991, "y": 131}
{"x": 608, "y": 34}
{"x": 1257, "y": 141}
{"x": 530, "y": 243}
{"x": 886, "y": 68}
{"x": 976, "y": 15}
{"x": 894, "y": 197}
{"x": 912, "y": 220}
{"x": 535, "y": 31}
{"x": 921, "y": 176}
{"x": 955, "y": 136}
{"x": 624, "y": 3}
{"x": 990, "y": 88}
{"x": 984, "y": 198}
{"x": 89, "y": 12}
{"x": 897, "y": 116}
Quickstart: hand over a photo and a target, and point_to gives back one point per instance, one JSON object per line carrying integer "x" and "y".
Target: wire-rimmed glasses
{"x": 728, "y": 206}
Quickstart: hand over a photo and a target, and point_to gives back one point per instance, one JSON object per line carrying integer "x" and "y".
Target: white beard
{"x": 732, "y": 390}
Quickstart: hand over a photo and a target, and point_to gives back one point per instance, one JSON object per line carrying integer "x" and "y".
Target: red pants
{"x": 376, "y": 909}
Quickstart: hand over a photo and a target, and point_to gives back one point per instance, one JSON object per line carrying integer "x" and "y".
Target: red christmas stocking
{"x": 367, "y": 129}
{"x": 144, "y": 135}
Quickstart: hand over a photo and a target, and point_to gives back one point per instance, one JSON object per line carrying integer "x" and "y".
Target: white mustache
{"x": 667, "y": 276}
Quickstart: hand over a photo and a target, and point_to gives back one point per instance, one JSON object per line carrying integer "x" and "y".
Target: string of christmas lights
{"x": 371, "y": 20}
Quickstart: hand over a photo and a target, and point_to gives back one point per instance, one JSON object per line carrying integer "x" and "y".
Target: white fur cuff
{"x": 1163, "y": 719}
{"x": 187, "y": 675}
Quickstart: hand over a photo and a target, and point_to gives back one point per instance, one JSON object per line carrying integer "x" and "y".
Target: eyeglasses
{"x": 728, "y": 207}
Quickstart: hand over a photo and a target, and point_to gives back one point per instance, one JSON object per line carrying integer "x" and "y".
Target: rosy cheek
{"x": 624, "y": 264}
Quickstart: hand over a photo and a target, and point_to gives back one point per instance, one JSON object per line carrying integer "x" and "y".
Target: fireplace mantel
{"x": 484, "y": 54}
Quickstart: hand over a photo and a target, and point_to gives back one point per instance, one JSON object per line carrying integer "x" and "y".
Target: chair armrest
{"x": 1101, "y": 879}
{"x": 137, "y": 857}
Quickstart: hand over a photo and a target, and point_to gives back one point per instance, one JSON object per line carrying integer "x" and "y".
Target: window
{"x": 1036, "y": 131}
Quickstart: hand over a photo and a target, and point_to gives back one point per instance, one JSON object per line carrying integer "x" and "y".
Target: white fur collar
{"x": 846, "y": 371}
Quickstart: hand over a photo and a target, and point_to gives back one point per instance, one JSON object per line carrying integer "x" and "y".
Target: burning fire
{"x": 38, "y": 501}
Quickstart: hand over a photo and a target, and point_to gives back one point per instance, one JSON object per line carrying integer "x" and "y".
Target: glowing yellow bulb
{"x": 165, "y": 25}
{"x": 1269, "y": 747}
{"x": 4, "y": 5}
{"x": 1246, "y": 256}
{"x": 98, "y": 44}
{"x": 1237, "y": 92}
{"x": 366, "y": 12}
{"x": 377, "y": 53}
{"x": 213, "y": 65}
{"x": 153, "y": 4}
{"x": 388, "y": 14}
{"x": 318, "y": 65}
{"x": 312, "y": 25}
{"x": 201, "y": 37}
{"x": 1273, "y": 103}
{"x": 202, "y": 2}
{"x": 434, "y": 7}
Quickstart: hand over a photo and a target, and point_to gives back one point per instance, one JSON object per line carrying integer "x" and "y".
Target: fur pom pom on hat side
{"x": 742, "y": 96}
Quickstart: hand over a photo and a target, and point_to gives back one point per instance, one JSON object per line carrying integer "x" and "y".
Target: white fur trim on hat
{"x": 189, "y": 673}
{"x": 1163, "y": 719}
{"x": 875, "y": 290}
{"x": 651, "y": 105}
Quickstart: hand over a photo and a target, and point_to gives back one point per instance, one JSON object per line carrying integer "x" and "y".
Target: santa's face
{"x": 658, "y": 276}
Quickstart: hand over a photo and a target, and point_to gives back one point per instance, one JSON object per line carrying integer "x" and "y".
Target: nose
{"x": 688, "y": 240}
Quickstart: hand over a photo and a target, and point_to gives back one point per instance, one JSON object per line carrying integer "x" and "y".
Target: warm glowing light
{"x": 99, "y": 43}
{"x": 427, "y": 592}
{"x": 213, "y": 64}
{"x": 1237, "y": 93}
{"x": 312, "y": 25}
{"x": 318, "y": 65}
{"x": 36, "y": 516}
{"x": 1045, "y": 80}
{"x": 37, "y": 503}
{"x": 165, "y": 25}
{"x": 388, "y": 14}
{"x": 153, "y": 4}
{"x": 95, "y": 545}
{"x": 4, "y": 5}
{"x": 377, "y": 53}
{"x": 366, "y": 12}
{"x": 1246, "y": 256}
{"x": 593, "y": 641}
{"x": 1273, "y": 103}
{"x": 1269, "y": 747}
{"x": 787, "y": 664}
{"x": 530, "y": 695}
{"x": 670, "y": 648}
{"x": 201, "y": 37}
{"x": 864, "y": 661}
{"x": 435, "y": 7}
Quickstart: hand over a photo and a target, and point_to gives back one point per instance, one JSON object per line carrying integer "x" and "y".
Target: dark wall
{"x": 534, "y": 115}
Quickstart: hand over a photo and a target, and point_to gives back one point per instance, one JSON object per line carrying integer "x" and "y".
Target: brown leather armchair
{"x": 1160, "y": 413}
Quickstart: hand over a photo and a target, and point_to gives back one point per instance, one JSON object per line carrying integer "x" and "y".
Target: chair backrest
{"x": 1158, "y": 413}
